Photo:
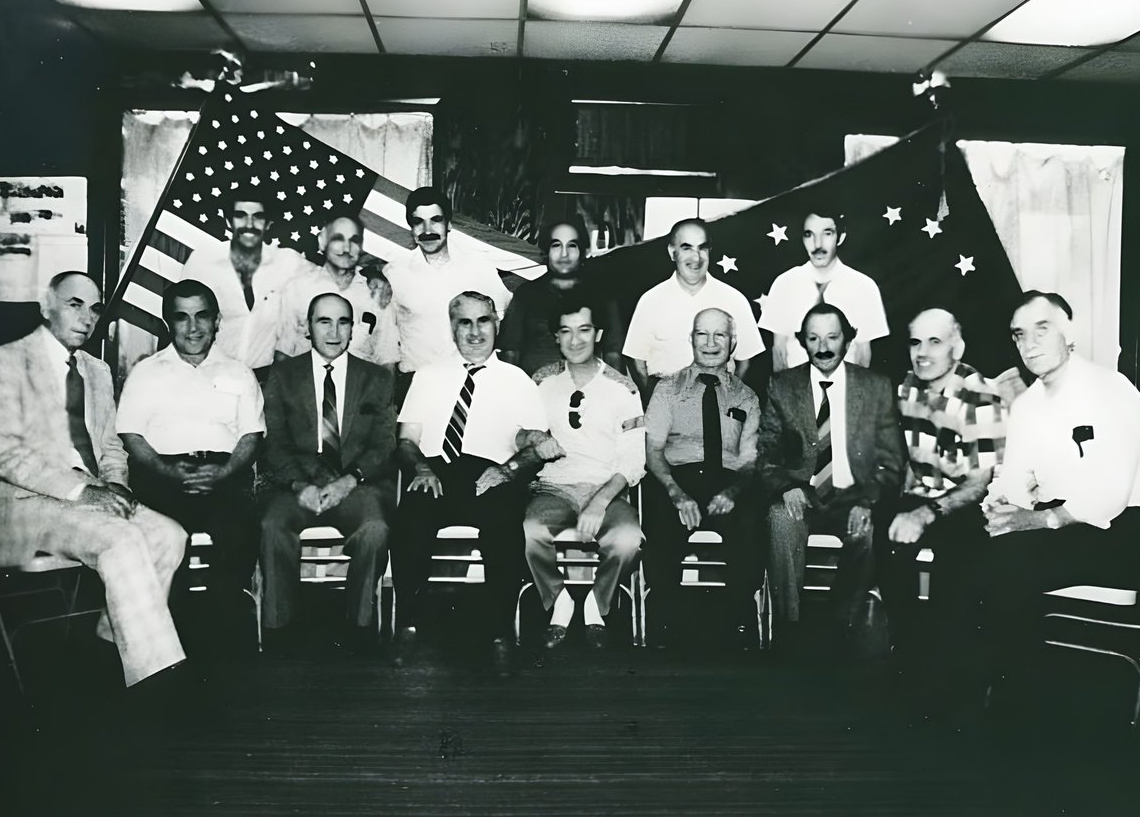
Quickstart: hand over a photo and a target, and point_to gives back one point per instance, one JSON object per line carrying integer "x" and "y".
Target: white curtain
{"x": 1057, "y": 210}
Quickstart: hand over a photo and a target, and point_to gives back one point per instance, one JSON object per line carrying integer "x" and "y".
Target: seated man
{"x": 700, "y": 447}
{"x": 595, "y": 415}
{"x": 191, "y": 420}
{"x": 830, "y": 451}
{"x": 953, "y": 423}
{"x": 327, "y": 467}
{"x": 1064, "y": 508}
{"x": 63, "y": 478}
{"x": 470, "y": 430}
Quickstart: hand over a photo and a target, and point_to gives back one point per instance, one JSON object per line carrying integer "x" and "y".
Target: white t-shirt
{"x": 794, "y": 292}
{"x": 663, "y": 321}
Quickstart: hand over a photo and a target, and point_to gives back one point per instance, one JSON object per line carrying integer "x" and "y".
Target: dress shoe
{"x": 555, "y": 635}
{"x": 404, "y": 646}
{"x": 281, "y": 642}
{"x": 502, "y": 657}
{"x": 596, "y": 636}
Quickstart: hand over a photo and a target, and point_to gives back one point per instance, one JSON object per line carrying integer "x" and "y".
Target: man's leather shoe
{"x": 596, "y": 636}
{"x": 502, "y": 657}
{"x": 404, "y": 646}
{"x": 555, "y": 635}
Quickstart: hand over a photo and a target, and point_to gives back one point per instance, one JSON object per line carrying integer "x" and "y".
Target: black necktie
{"x": 710, "y": 419}
{"x": 330, "y": 427}
{"x": 247, "y": 290}
{"x": 77, "y": 417}
{"x": 821, "y": 478}
{"x": 453, "y": 436}
{"x": 822, "y": 287}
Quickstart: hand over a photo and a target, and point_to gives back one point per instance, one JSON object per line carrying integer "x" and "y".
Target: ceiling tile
{"x": 907, "y": 18}
{"x": 1112, "y": 66}
{"x": 639, "y": 12}
{"x": 800, "y": 15}
{"x": 288, "y": 6}
{"x": 850, "y": 52}
{"x": 1007, "y": 61}
{"x": 728, "y": 46}
{"x": 592, "y": 41}
{"x": 310, "y": 33}
{"x": 161, "y": 31}
{"x": 449, "y": 38}
{"x": 459, "y": 9}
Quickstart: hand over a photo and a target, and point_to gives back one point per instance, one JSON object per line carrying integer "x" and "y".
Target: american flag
{"x": 235, "y": 144}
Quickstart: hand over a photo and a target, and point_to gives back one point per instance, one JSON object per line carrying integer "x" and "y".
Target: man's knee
{"x": 623, "y": 542}
{"x": 371, "y": 538}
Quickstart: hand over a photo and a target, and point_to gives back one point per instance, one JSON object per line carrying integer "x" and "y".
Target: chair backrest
{"x": 455, "y": 557}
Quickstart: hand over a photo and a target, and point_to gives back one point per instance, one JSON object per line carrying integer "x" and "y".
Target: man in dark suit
{"x": 830, "y": 451}
{"x": 331, "y": 430}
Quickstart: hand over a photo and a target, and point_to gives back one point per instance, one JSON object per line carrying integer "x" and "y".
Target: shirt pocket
{"x": 225, "y": 401}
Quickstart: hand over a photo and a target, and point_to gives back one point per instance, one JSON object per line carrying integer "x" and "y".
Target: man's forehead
{"x": 250, "y": 208}
{"x": 78, "y": 287}
{"x": 190, "y": 304}
{"x": 693, "y": 234}
{"x": 818, "y": 222}
{"x": 575, "y": 319}
{"x": 428, "y": 212}
{"x": 471, "y": 309}
{"x": 1035, "y": 311}
{"x": 823, "y": 324}
{"x": 565, "y": 233}
{"x": 932, "y": 323}
{"x": 333, "y": 308}
{"x": 343, "y": 226}
{"x": 711, "y": 322}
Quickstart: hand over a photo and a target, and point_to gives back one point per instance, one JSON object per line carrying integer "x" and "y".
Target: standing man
{"x": 526, "y": 340}
{"x": 247, "y": 277}
{"x": 659, "y": 341}
{"x": 701, "y": 431}
{"x": 830, "y": 453}
{"x": 953, "y": 423}
{"x": 1065, "y": 506}
{"x": 327, "y": 466}
{"x": 595, "y": 414}
{"x": 472, "y": 432}
{"x": 191, "y": 420}
{"x": 428, "y": 278}
{"x": 822, "y": 279}
{"x": 63, "y": 479}
{"x": 374, "y": 335}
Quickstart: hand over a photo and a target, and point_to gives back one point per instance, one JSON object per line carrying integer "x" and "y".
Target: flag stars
{"x": 778, "y": 234}
{"x": 307, "y": 210}
{"x": 222, "y": 145}
{"x": 202, "y": 149}
{"x": 725, "y": 263}
{"x": 932, "y": 228}
{"x": 321, "y": 184}
{"x": 314, "y": 164}
{"x": 215, "y": 192}
{"x": 892, "y": 215}
{"x": 332, "y": 160}
{"x": 209, "y": 171}
{"x": 248, "y": 160}
{"x": 241, "y": 139}
{"x": 287, "y": 216}
{"x": 301, "y": 190}
{"x": 360, "y": 172}
{"x": 228, "y": 165}
{"x": 295, "y": 236}
{"x": 347, "y": 198}
{"x": 306, "y": 144}
{"x": 274, "y": 175}
{"x": 234, "y": 118}
{"x": 177, "y": 202}
{"x": 294, "y": 169}
{"x": 216, "y": 123}
{"x": 287, "y": 150}
{"x": 340, "y": 178}
{"x": 281, "y": 195}
{"x": 261, "y": 135}
{"x": 254, "y": 181}
{"x": 327, "y": 204}
{"x": 189, "y": 177}
{"x": 280, "y": 130}
{"x": 197, "y": 197}
{"x": 965, "y": 264}
{"x": 314, "y": 229}
{"x": 253, "y": 114}
{"x": 268, "y": 154}
{"x": 203, "y": 218}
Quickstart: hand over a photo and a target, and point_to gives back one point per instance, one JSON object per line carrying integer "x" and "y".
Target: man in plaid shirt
{"x": 953, "y": 423}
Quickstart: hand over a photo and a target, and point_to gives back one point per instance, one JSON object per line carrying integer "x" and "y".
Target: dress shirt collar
{"x": 690, "y": 373}
{"x": 56, "y": 350}
{"x": 676, "y": 279}
{"x": 838, "y": 377}
{"x": 493, "y": 360}
{"x": 170, "y": 355}
{"x": 319, "y": 363}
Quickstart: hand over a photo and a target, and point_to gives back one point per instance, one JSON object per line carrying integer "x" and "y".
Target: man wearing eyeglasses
{"x": 701, "y": 433}
{"x": 595, "y": 414}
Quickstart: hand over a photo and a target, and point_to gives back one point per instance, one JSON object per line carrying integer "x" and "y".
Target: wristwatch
{"x": 512, "y": 466}
{"x": 1052, "y": 521}
{"x": 358, "y": 474}
{"x": 936, "y": 508}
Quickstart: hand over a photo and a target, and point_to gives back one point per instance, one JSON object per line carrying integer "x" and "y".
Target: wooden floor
{"x": 693, "y": 731}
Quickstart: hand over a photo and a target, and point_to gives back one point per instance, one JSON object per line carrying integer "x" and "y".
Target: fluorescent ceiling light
{"x": 1069, "y": 22}
{"x": 608, "y": 11}
{"x": 137, "y": 5}
{"x": 614, "y": 170}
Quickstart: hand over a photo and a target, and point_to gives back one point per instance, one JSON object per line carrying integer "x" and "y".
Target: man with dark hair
{"x": 822, "y": 279}
{"x": 658, "y": 343}
{"x": 63, "y": 479}
{"x": 247, "y": 275}
{"x": 526, "y": 340}
{"x": 472, "y": 431}
{"x": 426, "y": 280}
{"x": 830, "y": 453}
{"x": 191, "y": 419}
{"x": 331, "y": 434}
{"x": 374, "y": 335}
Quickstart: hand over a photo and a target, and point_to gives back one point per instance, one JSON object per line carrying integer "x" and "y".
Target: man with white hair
{"x": 1065, "y": 506}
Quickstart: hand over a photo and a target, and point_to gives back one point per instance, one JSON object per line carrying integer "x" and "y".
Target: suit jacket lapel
{"x": 806, "y": 407}
{"x": 855, "y": 399}
{"x": 353, "y": 384}
{"x": 303, "y": 385}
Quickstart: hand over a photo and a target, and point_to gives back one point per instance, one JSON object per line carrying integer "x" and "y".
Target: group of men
{"x": 515, "y": 415}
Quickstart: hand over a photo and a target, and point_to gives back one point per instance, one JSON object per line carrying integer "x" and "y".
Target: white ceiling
{"x": 895, "y": 36}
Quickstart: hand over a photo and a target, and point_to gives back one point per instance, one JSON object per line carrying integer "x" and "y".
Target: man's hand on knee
{"x": 688, "y": 510}
{"x": 795, "y": 503}
{"x": 859, "y": 522}
{"x": 106, "y": 500}
{"x": 907, "y": 528}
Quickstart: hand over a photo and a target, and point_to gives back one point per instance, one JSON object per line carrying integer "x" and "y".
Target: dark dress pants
{"x": 497, "y": 513}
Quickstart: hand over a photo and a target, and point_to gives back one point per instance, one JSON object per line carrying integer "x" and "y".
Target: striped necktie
{"x": 821, "y": 479}
{"x": 330, "y": 426}
{"x": 453, "y": 437}
{"x": 77, "y": 417}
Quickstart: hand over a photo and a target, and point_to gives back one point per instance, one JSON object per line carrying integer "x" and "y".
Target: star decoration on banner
{"x": 932, "y": 228}
{"x": 893, "y": 214}
{"x": 727, "y": 265}
{"x": 965, "y": 264}
{"x": 778, "y": 234}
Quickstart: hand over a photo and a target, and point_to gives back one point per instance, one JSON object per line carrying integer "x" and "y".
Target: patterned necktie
{"x": 821, "y": 479}
{"x": 330, "y": 426}
{"x": 77, "y": 417}
{"x": 710, "y": 420}
{"x": 453, "y": 437}
{"x": 822, "y": 287}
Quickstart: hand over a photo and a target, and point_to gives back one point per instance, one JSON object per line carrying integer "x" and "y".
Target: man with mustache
{"x": 375, "y": 337}
{"x": 830, "y": 453}
{"x": 822, "y": 279}
{"x": 247, "y": 275}
{"x": 425, "y": 281}
{"x": 659, "y": 340}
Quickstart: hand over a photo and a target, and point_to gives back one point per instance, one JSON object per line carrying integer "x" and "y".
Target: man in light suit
{"x": 63, "y": 477}
{"x": 331, "y": 430}
{"x": 830, "y": 451}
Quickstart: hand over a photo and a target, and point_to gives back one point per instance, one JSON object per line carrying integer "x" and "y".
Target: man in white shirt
{"x": 472, "y": 431}
{"x": 191, "y": 419}
{"x": 823, "y": 279}
{"x": 658, "y": 342}
{"x": 374, "y": 336}
{"x": 247, "y": 276}
{"x": 1064, "y": 508}
{"x": 595, "y": 414}
{"x": 426, "y": 279}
